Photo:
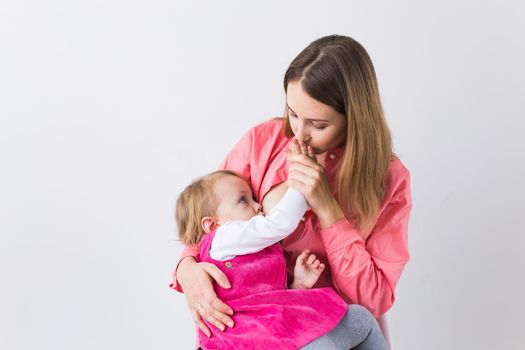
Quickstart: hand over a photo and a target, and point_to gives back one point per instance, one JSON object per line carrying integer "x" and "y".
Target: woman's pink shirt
{"x": 363, "y": 268}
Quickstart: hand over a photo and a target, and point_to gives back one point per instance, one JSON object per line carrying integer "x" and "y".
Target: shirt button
{"x": 228, "y": 264}
{"x": 332, "y": 156}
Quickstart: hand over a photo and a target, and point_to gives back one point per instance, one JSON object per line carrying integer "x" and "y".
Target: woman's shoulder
{"x": 396, "y": 166}
{"x": 269, "y": 128}
{"x": 256, "y": 147}
{"x": 267, "y": 137}
{"x": 397, "y": 178}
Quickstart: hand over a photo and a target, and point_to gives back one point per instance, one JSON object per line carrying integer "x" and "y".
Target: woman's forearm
{"x": 329, "y": 214}
{"x": 367, "y": 271}
{"x": 182, "y": 268}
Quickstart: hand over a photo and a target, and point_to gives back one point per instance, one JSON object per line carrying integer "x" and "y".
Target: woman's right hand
{"x": 196, "y": 282}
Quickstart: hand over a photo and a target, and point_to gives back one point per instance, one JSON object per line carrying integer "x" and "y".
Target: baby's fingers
{"x": 311, "y": 153}
{"x": 304, "y": 148}
{"x": 315, "y": 264}
{"x": 295, "y": 149}
{"x": 302, "y": 257}
{"x": 311, "y": 259}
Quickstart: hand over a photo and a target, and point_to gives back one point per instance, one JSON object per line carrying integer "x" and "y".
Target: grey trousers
{"x": 358, "y": 329}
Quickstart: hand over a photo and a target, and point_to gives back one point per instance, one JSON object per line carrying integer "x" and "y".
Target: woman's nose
{"x": 300, "y": 134}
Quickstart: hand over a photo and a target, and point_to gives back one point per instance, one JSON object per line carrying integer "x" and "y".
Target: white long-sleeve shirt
{"x": 242, "y": 237}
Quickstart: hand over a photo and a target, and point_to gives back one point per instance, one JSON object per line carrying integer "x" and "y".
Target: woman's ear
{"x": 209, "y": 223}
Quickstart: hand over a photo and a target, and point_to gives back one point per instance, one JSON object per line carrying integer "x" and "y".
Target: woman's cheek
{"x": 321, "y": 142}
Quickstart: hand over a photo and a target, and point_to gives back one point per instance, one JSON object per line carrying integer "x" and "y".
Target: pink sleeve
{"x": 238, "y": 160}
{"x": 366, "y": 272}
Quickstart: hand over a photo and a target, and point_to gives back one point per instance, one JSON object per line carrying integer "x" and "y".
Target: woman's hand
{"x": 196, "y": 282}
{"x": 309, "y": 177}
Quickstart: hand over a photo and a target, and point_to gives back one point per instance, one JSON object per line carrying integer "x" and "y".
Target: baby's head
{"x": 211, "y": 201}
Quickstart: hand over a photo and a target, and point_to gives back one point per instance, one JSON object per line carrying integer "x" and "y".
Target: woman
{"x": 358, "y": 190}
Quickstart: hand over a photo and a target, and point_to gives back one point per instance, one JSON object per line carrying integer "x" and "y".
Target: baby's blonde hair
{"x": 196, "y": 202}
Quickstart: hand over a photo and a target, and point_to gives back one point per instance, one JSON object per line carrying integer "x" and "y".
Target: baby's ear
{"x": 209, "y": 223}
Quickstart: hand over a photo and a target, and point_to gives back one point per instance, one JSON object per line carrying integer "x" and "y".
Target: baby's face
{"x": 235, "y": 199}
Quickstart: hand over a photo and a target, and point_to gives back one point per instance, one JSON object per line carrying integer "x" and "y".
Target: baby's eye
{"x": 243, "y": 199}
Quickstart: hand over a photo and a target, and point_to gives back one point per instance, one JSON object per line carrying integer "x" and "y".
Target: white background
{"x": 109, "y": 108}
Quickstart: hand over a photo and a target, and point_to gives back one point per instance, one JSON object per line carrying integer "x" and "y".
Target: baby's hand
{"x": 307, "y": 270}
{"x": 295, "y": 148}
{"x": 299, "y": 147}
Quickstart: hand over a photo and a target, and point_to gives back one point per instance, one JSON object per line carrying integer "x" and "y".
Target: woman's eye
{"x": 292, "y": 115}
{"x": 319, "y": 127}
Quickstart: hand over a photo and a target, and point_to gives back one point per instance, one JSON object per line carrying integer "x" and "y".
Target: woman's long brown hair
{"x": 337, "y": 71}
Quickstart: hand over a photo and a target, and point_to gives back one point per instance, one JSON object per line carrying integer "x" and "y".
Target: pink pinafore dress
{"x": 266, "y": 314}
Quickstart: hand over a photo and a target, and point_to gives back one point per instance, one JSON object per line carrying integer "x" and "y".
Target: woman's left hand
{"x": 309, "y": 177}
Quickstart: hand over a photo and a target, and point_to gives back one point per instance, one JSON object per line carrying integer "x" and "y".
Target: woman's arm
{"x": 366, "y": 272}
{"x": 188, "y": 251}
{"x": 363, "y": 272}
{"x": 196, "y": 281}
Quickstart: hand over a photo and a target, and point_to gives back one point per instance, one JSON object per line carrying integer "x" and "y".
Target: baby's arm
{"x": 250, "y": 236}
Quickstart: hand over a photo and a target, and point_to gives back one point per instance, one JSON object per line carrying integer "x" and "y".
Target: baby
{"x": 219, "y": 213}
